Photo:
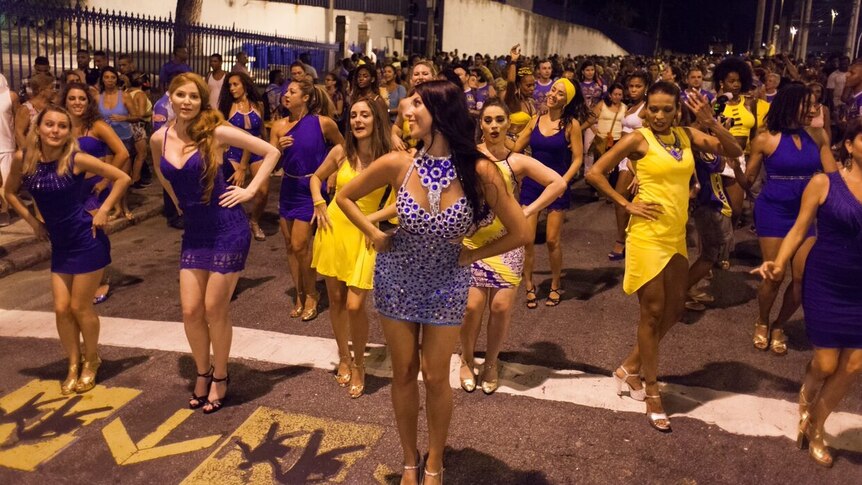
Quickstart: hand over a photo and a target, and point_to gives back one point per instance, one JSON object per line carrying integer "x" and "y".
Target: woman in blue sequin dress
{"x": 422, "y": 276}
{"x": 52, "y": 169}
{"x": 217, "y": 236}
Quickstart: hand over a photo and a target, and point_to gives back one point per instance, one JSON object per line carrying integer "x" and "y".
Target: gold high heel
{"x": 778, "y": 346}
{"x": 297, "y": 308}
{"x": 761, "y": 342}
{"x": 817, "y": 450}
{"x": 311, "y": 310}
{"x": 659, "y": 421}
{"x": 356, "y": 390}
{"x": 468, "y": 384}
{"x": 804, "y": 404}
{"x": 343, "y": 379}
{"x": 85, "y": 383}
{"x": 68, "y": 386}
{"x": 489, "y": 387}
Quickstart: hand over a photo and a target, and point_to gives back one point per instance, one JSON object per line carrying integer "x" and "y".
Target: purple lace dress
{"x": 216, "y": 238}
{"x": 419, "y": 279}
{"x": 74, "y": 250}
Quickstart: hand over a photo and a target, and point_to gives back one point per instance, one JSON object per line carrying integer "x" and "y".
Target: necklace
{"x": 674, "y": 150}
{"x": 435, "y": 174}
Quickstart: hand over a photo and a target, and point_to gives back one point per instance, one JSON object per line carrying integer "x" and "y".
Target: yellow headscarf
{"x": 570, "y": 89}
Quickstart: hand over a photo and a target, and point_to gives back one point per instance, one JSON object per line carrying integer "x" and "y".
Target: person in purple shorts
{"x": 791, "y": 152}
{"x": 302, "y": 137}
{"x": 831, "y": 290}
{"x": 217, "y": 237}
{"x": 51, "y": 167}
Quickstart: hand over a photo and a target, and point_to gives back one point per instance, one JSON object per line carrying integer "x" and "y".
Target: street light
{"x": 793, "y": 31}
{"x": 834, "y": 14}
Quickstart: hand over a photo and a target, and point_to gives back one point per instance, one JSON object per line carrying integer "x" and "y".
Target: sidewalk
{"x": 19, "y": 249}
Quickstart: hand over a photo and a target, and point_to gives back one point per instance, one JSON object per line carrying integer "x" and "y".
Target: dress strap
{"x": 409, "y": 171}
{"x": 165, "y": 141}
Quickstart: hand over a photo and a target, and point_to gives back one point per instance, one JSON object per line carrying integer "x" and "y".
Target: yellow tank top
{"x": 495, "y": 230}
{"x": 664, "y": 180}
{"x": 743, "y": 120}
{"x": 368, "y": 204}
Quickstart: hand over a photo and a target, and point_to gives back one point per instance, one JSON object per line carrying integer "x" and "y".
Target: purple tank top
{"x": 308, "y": 150}
{"x": 790, "y": 163}
{"x": 93, "y": 146}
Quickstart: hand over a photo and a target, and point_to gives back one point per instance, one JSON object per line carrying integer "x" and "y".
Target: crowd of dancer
{"x": 427, "y": 192}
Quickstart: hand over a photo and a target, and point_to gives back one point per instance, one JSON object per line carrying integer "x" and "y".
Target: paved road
{"x": 556, "y": 419}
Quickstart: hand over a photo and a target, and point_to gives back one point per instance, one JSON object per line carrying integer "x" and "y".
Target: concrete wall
{"x": 285, "y": 19}
{"x": 491, "y": 27}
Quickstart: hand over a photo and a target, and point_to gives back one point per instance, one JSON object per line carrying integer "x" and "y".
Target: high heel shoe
{"x": 343, "y": 379}
{"x": 68, "y": 386}
{"x": 813, "y": 438}
{"x": 490, "y": 386}
{"x": 257, "y": 232}
{"x": 197, "y": 401}
{"x": 297, "y": 308}
{"x": 761, "y": 340}
{"x": 217, "y": 404}
{"x": 427, "y": 474}
{"x": 659, "y": 421}
{"x": 356, "y": 390}
{"x": 310, "y": 312}
{"x": 804, "y": 404}
{"x": 636, "y": 394}
{"x": 468, "y": 384}
{"x": 417, "y": 467}
{"x": 778, "y": 346}
{"x": 85, "y": 383}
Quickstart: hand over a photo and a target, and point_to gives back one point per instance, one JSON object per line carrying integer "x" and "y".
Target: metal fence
{"x": 57, "y": 31}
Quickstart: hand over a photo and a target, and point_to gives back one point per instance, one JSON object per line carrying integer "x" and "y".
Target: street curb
{"x": 28, "y": 252}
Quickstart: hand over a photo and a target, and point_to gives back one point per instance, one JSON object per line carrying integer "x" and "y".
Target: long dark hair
{"x": 449, "y": 114}
{"x": 783, "y": 115}
{"x": 607, "y": 97}
{"x": 381, "y": 143}
{"x": 91, "y": 113}
{"x": 853, "y": 130}
{"x": 577, "y": 109}
{"x": 373, "y": 88}
{"x": 225, "y": 100}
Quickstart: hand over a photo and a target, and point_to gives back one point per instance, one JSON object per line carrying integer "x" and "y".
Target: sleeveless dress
{"x": 74, "y": 250}
{"x": 123, "y": 129}
{"x": 419, "y": 280}
{"x": 831, "y": 287}
{"x": 554, "y": 152}
{"x": 97, "y": 148}
{"x": 300, "y": 161}
{"x": 340, "y": 252}
{"x": 503, "y": 270}
{"x": 234, "y": 154}
{"x": 215, "y": 238}
{"x": 663, "y": 179}
{"x": 788, "y": 171}
{"x": 630, "y": 123}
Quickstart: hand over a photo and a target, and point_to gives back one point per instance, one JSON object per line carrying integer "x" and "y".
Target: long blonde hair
{"x": 201, "y": 131}
{"x": 33, "y": 145}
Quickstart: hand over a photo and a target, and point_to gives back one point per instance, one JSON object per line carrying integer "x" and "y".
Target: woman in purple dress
{"x": 302, "y": 137}
{"x": 791, "y": 152}
{"x": 242, "y": 106}
{"x": 831, "y": 290}
{"x": 561, "y": 150}
{"x": 217, "y": 236}
{"x": 96, "y": 138}
{"x": 52, "y": 169}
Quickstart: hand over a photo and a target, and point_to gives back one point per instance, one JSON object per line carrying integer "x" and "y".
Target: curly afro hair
{"x": 737, "y": 65}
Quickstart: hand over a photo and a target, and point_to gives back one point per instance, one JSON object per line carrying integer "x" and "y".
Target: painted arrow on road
{"x": 126, "y": 452}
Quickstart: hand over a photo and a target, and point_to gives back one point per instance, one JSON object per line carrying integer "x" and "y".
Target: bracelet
{"x": 319, "y": 202}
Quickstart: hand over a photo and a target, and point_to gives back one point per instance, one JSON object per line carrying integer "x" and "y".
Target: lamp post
{"x": 793, "y": 31}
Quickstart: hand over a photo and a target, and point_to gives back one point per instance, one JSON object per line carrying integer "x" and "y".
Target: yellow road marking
{"x": 38, "y": 422}
{"x": 126, "y": 452}
{"x": 273, "y": 446}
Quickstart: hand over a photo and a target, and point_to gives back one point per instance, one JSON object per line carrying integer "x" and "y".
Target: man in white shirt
{"x": 215, "y": 79}
{"x": 835, "y": 84}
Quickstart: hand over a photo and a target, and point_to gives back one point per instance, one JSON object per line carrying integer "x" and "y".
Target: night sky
{"x": 688, "y": 25}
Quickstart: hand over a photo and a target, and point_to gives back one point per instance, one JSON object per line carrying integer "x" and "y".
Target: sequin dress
{"x": 252, "y": 124}
{"x": 216, "y": 238}
{"x": 831, "y": 287}
{"x": 74, "y": 250}
{"x": 419, "y": 280}
{"x": 97, "y": 148}
{"x": 503, "y": 270}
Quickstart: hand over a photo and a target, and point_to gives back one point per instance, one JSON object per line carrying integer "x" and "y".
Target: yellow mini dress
{"x": 503, "y": 270}
{"x": 651, "y": 244}
{"x": 341, "y": 252}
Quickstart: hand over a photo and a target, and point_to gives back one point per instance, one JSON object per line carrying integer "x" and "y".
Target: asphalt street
{"x": 288, "y": 421}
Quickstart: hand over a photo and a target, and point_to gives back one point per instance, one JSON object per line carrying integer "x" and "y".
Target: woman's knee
{"x": 355, "y": 308}
{"x": 193, "y": 313}
{"x": 500, "y": 308}
{"x": 81, "y": 308}
{"x": 298, "y": 245}
{"x": 405, "y": 374}
{"x": 854, "y": 363}
{"x": 824, "y": 365}
{"x": 435, "y": 377}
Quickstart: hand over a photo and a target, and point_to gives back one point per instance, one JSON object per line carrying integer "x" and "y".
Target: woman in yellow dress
{"x": 495, "y": 280}
{"x": 341, "y": 254}
{"x": 656, "y": 257}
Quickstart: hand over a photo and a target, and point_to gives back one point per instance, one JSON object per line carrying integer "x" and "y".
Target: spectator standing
{"x": 40, "y": 66}
{"x": 306, "y": 64}
{"x": 177, "y": 65}
{"x": 8, "y": 106}
{"x": 273, "y": 93}
{"x": 241, "y": 64}
{"x": 215, "y": 79}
